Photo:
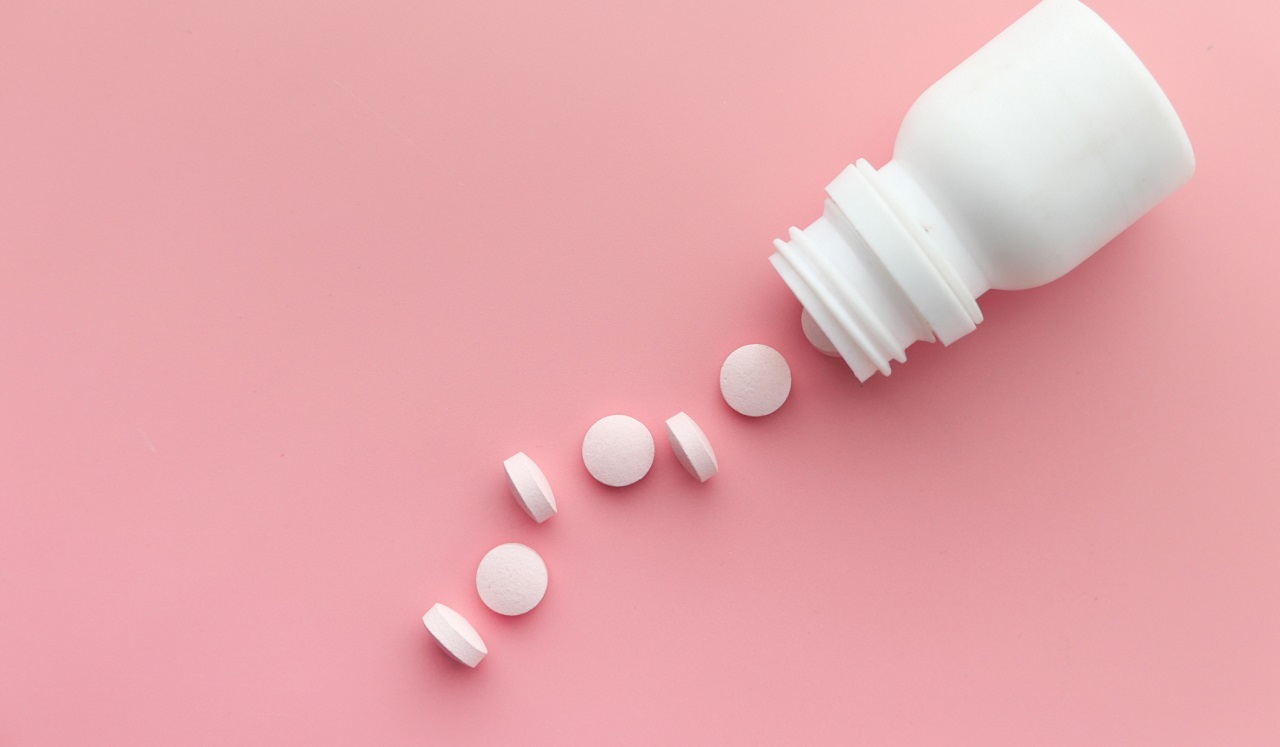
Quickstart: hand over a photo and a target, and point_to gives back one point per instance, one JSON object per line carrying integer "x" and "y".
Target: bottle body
{"x": 1007, "y": 173}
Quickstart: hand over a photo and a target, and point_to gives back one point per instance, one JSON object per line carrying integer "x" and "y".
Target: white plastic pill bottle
{"x": 1007, "y": 173}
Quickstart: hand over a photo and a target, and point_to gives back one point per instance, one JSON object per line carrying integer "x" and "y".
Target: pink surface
{"x": 282, "y": 284}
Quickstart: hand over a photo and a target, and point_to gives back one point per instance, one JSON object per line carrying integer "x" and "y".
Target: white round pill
{"x": 511, "y": 579}
{"x": 816, "y": 336}
{"x": 530, "y": 487}
{"x": 455, "y": 635}
{"x": 691, "y": 446}
{"x": 618, "y": 450}
{"x": 755, "y": 380}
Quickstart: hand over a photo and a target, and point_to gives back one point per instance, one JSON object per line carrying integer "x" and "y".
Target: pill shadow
{"x": 442, "y": 669}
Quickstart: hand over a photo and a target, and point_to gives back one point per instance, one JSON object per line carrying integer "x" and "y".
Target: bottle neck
{"x": 881, "y": 269}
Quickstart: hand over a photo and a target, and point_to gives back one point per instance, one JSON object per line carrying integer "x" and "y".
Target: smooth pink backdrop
{"x": 283, "y": 282}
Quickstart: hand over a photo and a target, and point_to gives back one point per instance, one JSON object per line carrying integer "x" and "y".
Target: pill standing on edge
{"x": 530, "y": 487}
{"x": 511, "y": 579}
{"x": 816, "y": 336}
{"x": 691, "y": 446}
{"x": 755, "y": 380}
{"x": 455, "y": 635}
{"x": 618, "y": 450}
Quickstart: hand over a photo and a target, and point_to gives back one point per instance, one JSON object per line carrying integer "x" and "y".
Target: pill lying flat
{"x": 530, "y": 487}
{"x": 511, "y": 579}
{"x": 691, "y": 446}
{"x": 816, "y": 336}
{"x": 755, "y": 380}
{"x": 455, "y": 635}
{"x": 618, "y": 450}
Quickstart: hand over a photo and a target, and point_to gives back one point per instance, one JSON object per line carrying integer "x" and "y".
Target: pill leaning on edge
{"x": 455, "y": 635}
{"x": 530, "y": 487}
{"x": 511, "y": 579}
{"x": 816, "y": 336}
{"x": 755, "y": 380}
{"x": 618, "y": 450}
{"x": 691, "y": 446}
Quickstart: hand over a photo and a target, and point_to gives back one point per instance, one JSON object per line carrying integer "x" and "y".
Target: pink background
{"x": 283, "y": 282}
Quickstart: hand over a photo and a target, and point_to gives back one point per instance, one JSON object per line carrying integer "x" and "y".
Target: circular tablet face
{"x": 618, "y": 450}
{"x": 511, "y": 579}
{"x": 530, "y": 487}
{"x": 816, "y": 336}
{"x": 691, "y": 446}
{"x": 455, "y": 635}
{"x": 755, "y": 380}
